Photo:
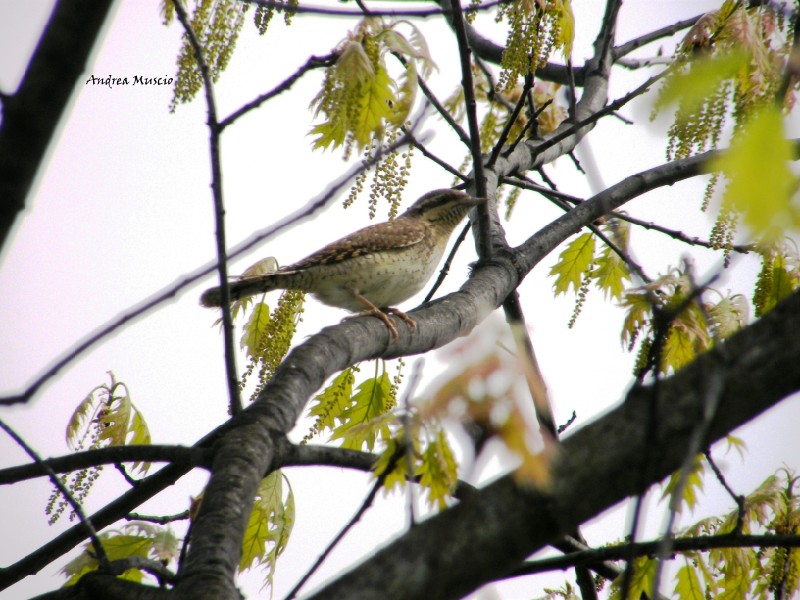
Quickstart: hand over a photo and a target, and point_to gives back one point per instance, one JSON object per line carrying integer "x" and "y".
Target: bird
{"x": 373, "y": 269}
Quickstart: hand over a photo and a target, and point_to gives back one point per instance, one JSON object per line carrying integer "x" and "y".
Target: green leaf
{"x": 693, "y": 87}
{"x": 269, "y": 526}
{"x": 254, "y": 329}
{"x": 565, "y": 25}
{"x": 678, "y": 349}
{"x": 399, "y": 474}
{"x": 611, "y": 271}
{"x": 644, "y": 571}
{"x": 760, "y": 182}
{"x": 80, "y": 420}
{"x": 331, "y": 133}
{"x": 693, "y": 485}
{"x": 365, "y": 418}
{"x": 640, "y": 312}
{"x": 375, "y": 107}
{"x": 687, "y": 584}
{"x": 572, "y": 263}
{"x": 331, "y": 403}
{"x": 117, "y": 546}
{"x": 405, "y": 96}
{"x": 610, "y": 274}
{"x": 438, "y": 471}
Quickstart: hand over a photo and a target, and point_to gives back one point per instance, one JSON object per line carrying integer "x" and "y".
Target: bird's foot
{"x": 396, "y": 311}
{"x": 382, "y": 316}
{"x": 373, "y": 310}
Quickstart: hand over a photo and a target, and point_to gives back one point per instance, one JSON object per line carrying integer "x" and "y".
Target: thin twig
{"x": 314, "y": 62}
{"x": 675, "y": 234}
{"x": 484, "y": 221}
{"x": 446, "y": 266}
{"x": 607, "y": 109}
{"x": 231, "y": 372}
{"x": 510, "y": 122}
{"x": 356, "y": 518}
{"x": 711, "y": 400}
{"x": 685, "y": 544}
{"x": 641, "y": 63}
{"x": 628, "y": 47}
{"x": 125, "y": 475}
{"x": 679, "y": 235}
{"x": 738, "y": 498}
{"x": 299, "y": 9}
{"x": 97, "y": 546}
{"x": 462, "y": 135}
{"x": 572, "y": 101}
{"x": 160, "y": 520}
{"x": 432, "y": 157}
{"x": 413, "y": 382}
{"x": 533, "y": 124}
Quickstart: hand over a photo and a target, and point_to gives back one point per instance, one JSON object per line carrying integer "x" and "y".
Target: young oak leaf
{"x": 117, "y": 546}
{"x": 375, "y": 106}
{"x": 729, "y": 315}
{"x": 693, "y": 484}
{"x": 572, "y": 263}
{"x": 254, "y": 329}
{"x": 760, "y": 183}
{"x": 438, "y": 470}
{"x": 367, "y": 416}
{"x": 269, "y": 525}
{"x": 688, "y": 585}
{"x": 331, "y": 403}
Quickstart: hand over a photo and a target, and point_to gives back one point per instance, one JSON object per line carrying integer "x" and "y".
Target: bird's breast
{"x": 384, "y": 278}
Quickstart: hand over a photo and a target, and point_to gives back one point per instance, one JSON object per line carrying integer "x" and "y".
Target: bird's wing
{"x": 374, "y": 238}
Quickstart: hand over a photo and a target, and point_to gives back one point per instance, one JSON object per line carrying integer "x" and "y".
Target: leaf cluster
{"x": 734, "y": 572}
{"x": 136, "y": 538}
{"x": 536, "y": 28}
{"x": 730, "y": 67}
{"x": 106, "y": 417}
{"x": 359, "y": 98}
{"x": 580, "y": 264}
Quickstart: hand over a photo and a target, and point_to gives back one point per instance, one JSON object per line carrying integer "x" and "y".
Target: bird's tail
{"x": 242, "y": 288}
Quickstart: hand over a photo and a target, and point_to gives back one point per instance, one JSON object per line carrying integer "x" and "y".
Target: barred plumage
{"x": 373, "y": 268}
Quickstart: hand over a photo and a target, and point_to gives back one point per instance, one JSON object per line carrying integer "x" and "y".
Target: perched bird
{"x": 374, "y": 268}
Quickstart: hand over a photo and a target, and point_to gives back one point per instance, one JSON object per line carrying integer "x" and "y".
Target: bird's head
{"x": 443, "y": 207}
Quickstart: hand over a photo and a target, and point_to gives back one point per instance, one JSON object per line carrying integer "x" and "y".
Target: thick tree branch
{"x": 32, "y": 113}
{"x": 597, "y": 467}
{"x": 622, "y": 551}
{"x": 247, "y": 451}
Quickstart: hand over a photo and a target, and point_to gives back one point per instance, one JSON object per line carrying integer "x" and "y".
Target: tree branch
{"x": 182, "y": 455}
{"x": 314, "y": 62}
{"x": 593, "y": 471}
{"x": 214, "y": 130}
{"x": 32, "y": 113}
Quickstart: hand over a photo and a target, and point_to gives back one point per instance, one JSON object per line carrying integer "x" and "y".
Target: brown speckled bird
{"x": 374, "y": 268}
